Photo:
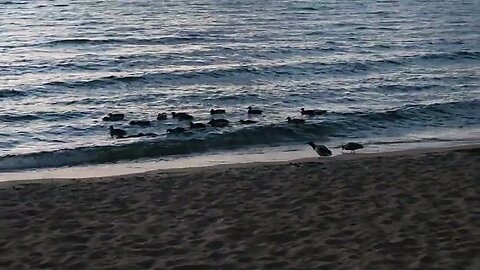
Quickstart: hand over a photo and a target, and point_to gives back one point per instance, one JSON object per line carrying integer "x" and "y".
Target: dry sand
{"x": 408, "y": 211}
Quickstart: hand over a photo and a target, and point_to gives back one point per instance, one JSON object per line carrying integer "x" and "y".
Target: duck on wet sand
{"x": 182, "y": 116}
{"x": 162, "y": 116}
{"x": 114, "y": 117}
{"x": 217, "y": 111}
{"x": 219, "y": 122}
{"x": 254, "y": 111}
{"x": 321, "y": 149}
{"x": 351, "y": 146}
{"x": 141, "y": 123}
{"x": 247, "y": 122}
{"x": 117, "y": 133}
{"x": 295, "y": 121}
{"x": 312, "y": 112}
{"x": 197, "y": 125}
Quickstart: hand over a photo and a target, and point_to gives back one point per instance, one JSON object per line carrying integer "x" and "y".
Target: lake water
{"x": 386, "y": 71}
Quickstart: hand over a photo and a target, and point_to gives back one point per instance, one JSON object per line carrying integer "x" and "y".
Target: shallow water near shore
{"x": 254, "y": 155}
{"x": 383, "y": 70}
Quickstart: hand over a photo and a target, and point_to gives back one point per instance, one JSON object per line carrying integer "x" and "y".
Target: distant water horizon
{"x": 385, "y": 71}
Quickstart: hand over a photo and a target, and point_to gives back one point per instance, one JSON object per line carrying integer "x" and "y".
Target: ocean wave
{"x": 279, "y": 69}
{"x": 107, "y": 80}
{"x": 12, "y": 3}
{"x": 11, "y": 93}
{"x": 254, "y": 71}
{"x": 47, "y": 116}
{"x": 17, "y": 117}
{"x": 164, "y": 147}
{"x": 139, "y": 62}
{"x": 306, "y": 8}
{"x": 168, "y": 40}
{"x": 328, "y": 126}
{"x": 395, "y": 88}
{"x": 422, "y": 112}
{"x": 458, "y": 55}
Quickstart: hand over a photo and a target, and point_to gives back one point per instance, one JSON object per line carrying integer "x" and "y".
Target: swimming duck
{"x": 117, "y": 133}
{"x": 218, "y": 111}
{"x": 247, "y": 122}
{"x": 254, "y": 111}
{"x": 295, "y": 121}
{"x": 177, "y": 130}
{"x": 351, "y": 146}
{"x": 114, "y": 117}
{"x": 162, "y": 116}
{"x": 321, "y": 149}
{"x": 197, "y": 125}
{"x": 182, "y": 116}
{"x": 312, "y": 112}
{"x": 219, "y": 122}
{"x": 141, "y": 123}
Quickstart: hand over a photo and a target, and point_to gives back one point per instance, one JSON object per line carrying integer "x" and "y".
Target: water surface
{"x": 385, "y": 71}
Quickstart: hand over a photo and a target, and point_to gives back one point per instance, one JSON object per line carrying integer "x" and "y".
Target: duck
{"x": 177, "y": 130}
{"x": 217, "y": 111}
{"x": 219, "y": 123}
{"x": 117, "y": 133}
{"x": 182, "y": 116}
{"x": 254, "y": 111}
{"x": 141, "y": 123}
{"x": 247, "y": 122}
{"x": 114, "y": 117}
{"x": 295, "y": 121}
{"x": 197, "y": 125}
{"x": 177, "y": 114}
{"x": 312, "y": 112}
{"x": 321, "y": 149}
{"x": 162, "y": 116}
{"x": 351, "y": 146}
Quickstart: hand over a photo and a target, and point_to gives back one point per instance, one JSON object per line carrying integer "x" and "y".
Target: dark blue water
{"x": 383, "y": 70}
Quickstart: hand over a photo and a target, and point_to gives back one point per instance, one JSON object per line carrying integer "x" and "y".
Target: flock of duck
{"x": 321, "y": 150}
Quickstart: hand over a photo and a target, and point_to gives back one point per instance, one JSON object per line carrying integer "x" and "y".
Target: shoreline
{"x": 403, "y": 210}
{"x": 230, "y": 159}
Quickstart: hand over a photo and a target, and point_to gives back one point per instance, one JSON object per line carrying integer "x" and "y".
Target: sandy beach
{"x": 393, "y": 211}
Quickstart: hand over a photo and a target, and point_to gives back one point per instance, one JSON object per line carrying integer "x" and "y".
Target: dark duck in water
{"x": 254, "y": 111}
{"x": 141, "y": 123}
{"x": 182, "y": 116}
{"x": 312, "y": 112}
{"x": 219, "y": 123}
{"x": 177, "y": 130}
{"x": 197, "y": 125}
{"x": 112, "y": 117}
{"x": 295, "y": 121}
{"x": 162, "y": 116}
{"x": 218, "y": 111}
{"x": 117, "y": 133}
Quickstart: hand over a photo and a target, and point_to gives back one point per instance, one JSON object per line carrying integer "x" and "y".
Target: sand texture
{"x": 416, "y": 211}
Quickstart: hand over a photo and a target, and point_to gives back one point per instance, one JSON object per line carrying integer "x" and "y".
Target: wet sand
{"x": 407, "y": 210}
